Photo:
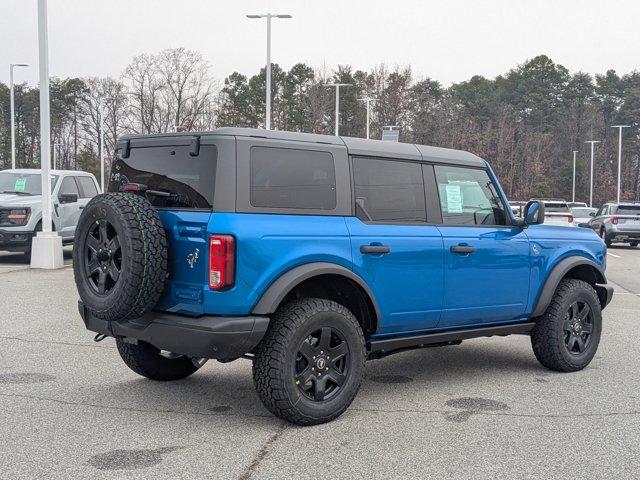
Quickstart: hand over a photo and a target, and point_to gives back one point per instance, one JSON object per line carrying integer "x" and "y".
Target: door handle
{"x": 462, "y": 249}
{"x": 81, "y": 207}
{"x": 374, "y": 249}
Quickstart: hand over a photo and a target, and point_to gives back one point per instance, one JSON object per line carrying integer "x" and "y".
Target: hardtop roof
{"x": 355, "y": 146}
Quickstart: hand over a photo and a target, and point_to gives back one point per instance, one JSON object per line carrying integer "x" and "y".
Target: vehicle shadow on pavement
{"x": 17, "y": 258}
{"x": 227, "y": 389}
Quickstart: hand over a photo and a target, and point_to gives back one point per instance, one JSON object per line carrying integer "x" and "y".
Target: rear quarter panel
{"x": 269, "y": 245}
{"x": 551, "y": 244}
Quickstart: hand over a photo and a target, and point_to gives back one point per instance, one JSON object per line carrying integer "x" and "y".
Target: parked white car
{"x": 21, "y": 205}
{"x": 582, "y": 215}
{"x": 556, "y": 212}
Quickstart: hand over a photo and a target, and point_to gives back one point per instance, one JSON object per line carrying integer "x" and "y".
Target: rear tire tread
{"x": 144, "y": 359}
{"x": 272, "y": 351}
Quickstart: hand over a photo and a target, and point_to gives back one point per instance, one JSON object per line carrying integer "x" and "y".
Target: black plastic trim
{"x": 557, "y": 274}
{"x": 271, "y": 299}
{"x": 386, "y": 346}
{"x": 205, "y": 337}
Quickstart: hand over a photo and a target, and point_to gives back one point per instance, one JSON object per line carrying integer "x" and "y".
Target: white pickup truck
{"x": 21, "y": 205}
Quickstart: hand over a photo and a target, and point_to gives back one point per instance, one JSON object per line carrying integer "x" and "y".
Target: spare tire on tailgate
{"x": 119, "y": 256}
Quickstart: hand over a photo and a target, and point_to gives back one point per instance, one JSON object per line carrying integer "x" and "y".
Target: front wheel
{"x": 603, "y": 235}
{"x": 633, "y": 244}
{"x": 309, "y": 366}
{"x": 566, "y": 337}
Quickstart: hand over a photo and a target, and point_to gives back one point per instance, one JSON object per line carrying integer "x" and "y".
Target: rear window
{"x": 292, "y": 178}
{"x": 628, "y": 210}
{"x": 173, "y": 178}
{"x": 556, "y": 207}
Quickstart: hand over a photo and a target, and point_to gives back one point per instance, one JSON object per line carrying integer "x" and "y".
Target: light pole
{"x": 573, "y": 196}
{"x": 619, "y": 127}
{"x": 101, "y": 146}
{"x": 592, "y": 142}
{"x": 13, "y": 113}
{"x": 368, "y": 100}
{"x": 46, "y": 246}
{"x": 55, "y": 155}
{"x": 268, "y": 16}
{"x": 338, "y": 85}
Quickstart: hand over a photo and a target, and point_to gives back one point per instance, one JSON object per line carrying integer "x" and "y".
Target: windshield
{"x": 582, "y": 212}
{"x": 628, "y": 210}
{"x": 556, "y": 207}
{"x": 23, "y": 183}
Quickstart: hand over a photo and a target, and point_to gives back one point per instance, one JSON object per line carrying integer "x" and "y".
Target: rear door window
{"x": 87, "y": 187}
{"x": 388, "y": 191}
{"x": 173, "y": 178}
{"x": 69, "y": 187}
{"x": 291, "y": 178}
{"x": 468, "y": 197}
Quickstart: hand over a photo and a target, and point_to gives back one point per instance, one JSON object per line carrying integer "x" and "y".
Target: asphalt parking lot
{"x": 69, "y": 408}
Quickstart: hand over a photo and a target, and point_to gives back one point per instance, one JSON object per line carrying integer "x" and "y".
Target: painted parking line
{"x": 613, "y": 255}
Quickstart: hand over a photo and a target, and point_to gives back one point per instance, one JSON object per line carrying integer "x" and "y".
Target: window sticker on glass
{"x": 20, "y": 185}
{"x": 454, "y": 198}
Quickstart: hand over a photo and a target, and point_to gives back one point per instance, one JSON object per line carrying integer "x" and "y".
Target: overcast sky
{"x": 447, "y": 40}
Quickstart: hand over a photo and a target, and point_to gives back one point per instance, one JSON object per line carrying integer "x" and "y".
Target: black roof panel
{"x": 355, "y": 146}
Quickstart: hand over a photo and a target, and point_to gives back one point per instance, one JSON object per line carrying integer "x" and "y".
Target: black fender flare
{"x": 272, "y": 297}
{"x": 557, "y": 274}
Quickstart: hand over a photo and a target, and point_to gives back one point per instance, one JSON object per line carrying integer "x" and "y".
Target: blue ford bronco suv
{"x": 309, "y": 254}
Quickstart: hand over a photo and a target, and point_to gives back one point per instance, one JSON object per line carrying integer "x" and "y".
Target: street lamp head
{"x": 283, "y": 16}
{"x": 255, "y": 16}
{"x": 337, "y": 84}
{"x": 620, "y": 126}
{"x": 19, "y": 64}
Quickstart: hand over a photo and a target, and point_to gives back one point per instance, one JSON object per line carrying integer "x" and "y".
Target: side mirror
{"x": 68, "y": 198}
{"x": 534, "y": 212}
{"x": 592, "y": 214}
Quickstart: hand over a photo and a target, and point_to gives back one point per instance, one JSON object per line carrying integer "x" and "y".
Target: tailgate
{"x": 187, "y": 261}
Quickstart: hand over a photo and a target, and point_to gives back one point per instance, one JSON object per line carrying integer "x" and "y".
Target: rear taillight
{"x": 570, "y": 218}
{"x": 614, "y": 220}
{"x": 222, "y": 261}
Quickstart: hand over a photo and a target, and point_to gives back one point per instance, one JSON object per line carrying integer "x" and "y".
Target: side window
{"x": 388, "y": 191}
{"x": 468, "y": 197}
{"x": 291, "y": 178}
{"x": 87, "y": 187}
{"x": 69, "y": 187}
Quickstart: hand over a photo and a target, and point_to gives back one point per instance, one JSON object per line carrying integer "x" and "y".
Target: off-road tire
{"x": 143, "y": 256}
{"x": 273, "y": 364}
{"x": 146, "y": 360}
{"x": 548, "y": 335}
{"x": 605, "y": 238}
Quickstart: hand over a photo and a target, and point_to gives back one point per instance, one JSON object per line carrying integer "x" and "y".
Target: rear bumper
{"x": 623, "y": 236}
{"x": 222, "y": 338}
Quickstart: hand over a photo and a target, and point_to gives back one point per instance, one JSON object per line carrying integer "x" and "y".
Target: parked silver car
{"x": 618, "y": 222}
{"x": 21, "y": 205}
{"x": 582, "y": 215}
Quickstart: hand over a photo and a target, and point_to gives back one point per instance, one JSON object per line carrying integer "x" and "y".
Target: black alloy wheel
{"x": 578, "y": 326}
{"x": 103, "y": 257}
{"x": 321, "y": 364}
